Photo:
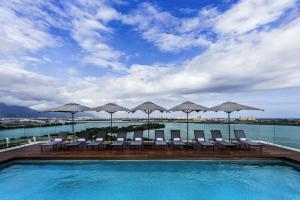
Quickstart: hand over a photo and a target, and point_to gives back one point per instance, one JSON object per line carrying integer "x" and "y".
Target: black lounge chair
{"x": 78, "y": 143}
{"x": 201, "y": 141}
{"x": 121, "y": 139}
{"x": 176, "y": 139}
{"x": 241, "y": 139}
{"x": 137, "y": 139}
{"x": 55, "y": 142}
{"x": 160, "y": 139}
{"x": 100, "y": 138}
{"x": 217, "y": 137}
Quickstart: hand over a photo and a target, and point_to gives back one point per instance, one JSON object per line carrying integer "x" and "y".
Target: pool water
{"x": 131, "y": 180}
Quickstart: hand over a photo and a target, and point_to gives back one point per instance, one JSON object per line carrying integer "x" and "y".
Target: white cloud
{"x": 26, "y": 27}
{"x": 90, "y": 31}
{"x": 251, "y": 61}
{"x": 261, "y": 60}
{"x": 38, "y": 12}
{"x": 246, "y": 63}
{"x": 173, "y": 43}
{"x": 204, "y": 19}
{"x": 106, "y": 14}
{"x": 167, "y": 32}
{"x": 19, "y": 34}
{"x": 23, "y": 87}
{"x": 248, "y": 15}
{"x": 72, "y": 71}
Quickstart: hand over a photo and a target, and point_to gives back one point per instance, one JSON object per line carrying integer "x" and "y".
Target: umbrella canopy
{"x": 110, "y": 108}
{"x": 188, "y": 107}
{"x": 69, "y": 108}
{"x": 230, "y": 107}
{"x": 148, "y": 107}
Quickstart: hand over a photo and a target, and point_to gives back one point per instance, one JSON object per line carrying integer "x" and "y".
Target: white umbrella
{"x": 149, "y": 107}
{"x": 188, "y": 107}
{"x": 230, "y": 107}
{"x": 110, "y": 108}
{"x": 72, "y": 108}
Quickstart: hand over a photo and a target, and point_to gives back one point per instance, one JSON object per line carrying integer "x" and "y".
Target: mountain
{"x": 11, "y": 111}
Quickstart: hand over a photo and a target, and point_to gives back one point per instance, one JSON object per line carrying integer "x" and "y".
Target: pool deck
{"x": 34, "y": 153}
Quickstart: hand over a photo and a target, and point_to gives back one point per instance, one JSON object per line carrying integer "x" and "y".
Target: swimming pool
{"x": 124, "y": 180}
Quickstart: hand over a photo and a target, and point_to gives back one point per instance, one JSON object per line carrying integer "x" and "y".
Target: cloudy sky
{"x": 95, "y": 52}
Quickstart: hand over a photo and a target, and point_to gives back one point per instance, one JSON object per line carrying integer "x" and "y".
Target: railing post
{"x": 7, "y": 142}
{"x": 204, "y": 128}
{"x": 40, "y": 135}
{"x": 259, "y": 132}
{"x": 274, "y": 130}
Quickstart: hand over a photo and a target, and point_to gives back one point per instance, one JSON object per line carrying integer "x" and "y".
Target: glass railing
{"x": 288, "y": 136}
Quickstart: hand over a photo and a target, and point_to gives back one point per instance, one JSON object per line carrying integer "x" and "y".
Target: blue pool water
{"x": 131, "y": 180}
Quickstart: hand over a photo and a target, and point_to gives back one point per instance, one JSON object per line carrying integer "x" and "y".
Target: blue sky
{"x": 96, "y": 52}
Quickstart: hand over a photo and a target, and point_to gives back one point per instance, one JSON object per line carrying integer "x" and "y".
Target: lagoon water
{"x": 283, "y": 135}
{"x": 153, "y": 180}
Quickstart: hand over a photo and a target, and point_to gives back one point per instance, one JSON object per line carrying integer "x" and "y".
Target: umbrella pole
{"x": 148, "y": 127}
{"x": 187, "y": 127}
{"x": 229, "y": 126}
{"x": 73, "y": 126}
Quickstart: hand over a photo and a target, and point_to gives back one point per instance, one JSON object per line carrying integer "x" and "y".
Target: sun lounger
{"x": 100, "y": 138}
{"x": 54, "y": 143}
{"x": 78, "y": 143}
{"x": 121, "y": 139}
{"x": 137, "y": 139}
{"x": 176, "y": 138}
{"x": 201, "y": 141}
{"x": 241, "y": 138}
{"x": 217, "y": 137}
{"x": 160, "y": 139}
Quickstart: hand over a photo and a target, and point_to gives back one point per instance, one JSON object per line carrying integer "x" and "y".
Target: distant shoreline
{"x": 282, "y": 122}
{"x": 35, "y": 126}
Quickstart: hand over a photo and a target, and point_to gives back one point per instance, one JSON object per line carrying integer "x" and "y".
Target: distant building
{"x": 247, "y": 118}
{"x": 202, "y": 118}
